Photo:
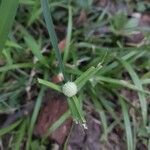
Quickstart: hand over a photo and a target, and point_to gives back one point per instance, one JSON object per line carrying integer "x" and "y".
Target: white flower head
{"x": 69, "y": 89}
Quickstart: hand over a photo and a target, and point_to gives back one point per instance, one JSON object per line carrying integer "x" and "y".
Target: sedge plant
{"x": 69, "y": 88}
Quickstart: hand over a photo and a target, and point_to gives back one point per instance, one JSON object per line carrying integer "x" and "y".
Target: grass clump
{"x": 99, "y": 55}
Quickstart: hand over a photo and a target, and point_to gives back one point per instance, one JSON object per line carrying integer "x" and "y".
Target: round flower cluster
{"x": 69, "y": 89}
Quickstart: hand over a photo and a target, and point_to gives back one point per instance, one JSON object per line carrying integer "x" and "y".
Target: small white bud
{"x": 84, "y": 126}
{"x": 69, "y": 89}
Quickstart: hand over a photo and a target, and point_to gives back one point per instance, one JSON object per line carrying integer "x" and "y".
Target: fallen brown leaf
{"x": 55, "y": 106}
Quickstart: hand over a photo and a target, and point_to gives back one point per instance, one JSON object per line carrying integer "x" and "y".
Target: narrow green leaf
{"x": 119, "y": 82}
{"x": 21, "y": 133}
{"x": 7, "y": 14}
{"x": 127, "y": 125}
{"x": 100, "y": 110}
{"x": 72, "y": 109}
{"x": 69, "y": 32}
{"x": 50, "y": 84}
{"x": 138, "y": 84}
{"x": 13, "y": 44}
{"x": 7, "y": 55}
{"x": 52, "y": 34}
{"x": 81, "y": 80}
{"x": 9, "y": 128}
{"x": 35, "y": 113}
{"x": 33, "y": 45}
{"x": 115, "y": 64}
{"x": 84, "y": 75}
{"x": 76, "y": 110}
{"x": 110, "y": 110}
{"x": 16, "y": 66}
{"x": 145, "y": 81}
{"x": 35, "y": 48}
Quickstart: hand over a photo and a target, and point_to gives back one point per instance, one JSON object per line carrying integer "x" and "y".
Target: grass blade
{"x": 16, "y": 66}
{"x": 52, "y": 34}
{"x": 76, "y": 110}
{"x": 86, "y": 76}
{"x": 35, "y": 48}
{"x": 120, "y": 83}
{"x": 21, "y": 133}
{"x": 138, "y": 84}
{"x": 35, "y": 113}
{"x": 69, "y": 31}
{"x": 9, "y": 128}
{"x": 110, "y": 110}
{"x": 7, "y": 14}
{"x": 127, "y": 125}
{"x": 100, "y": 110}
{"x": 50, "y": 84}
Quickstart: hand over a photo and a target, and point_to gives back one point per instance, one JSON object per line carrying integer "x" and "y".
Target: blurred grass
{"x": 28, "y": 49}
{"x": 127, "y": 125}
{"x": 7, "y": 15}
{"x": 36, "y": 112}
{"x": 138, "y": 84}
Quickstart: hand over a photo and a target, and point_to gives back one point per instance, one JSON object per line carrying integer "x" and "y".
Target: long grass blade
{"x": 120, "y": 83}
{"x": 35, "y": 113}
{"x": 100, "y": 110}
{"x": 69, "y": 32}
{"x": 127, "y": 123}
{"x": 7, "y": 14}
{"x": 21, "y": 133}
{"x": 9, "y": 128}
{"x": 138, "y": 84}
{"x": 50, "y": 85}
{"x": 76, "y": 110}
{"x": 81, "y": 80}
{"x": 35, "y": 48}
{"x": 52, "y": 34}
{"x": 16, "y": 66}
